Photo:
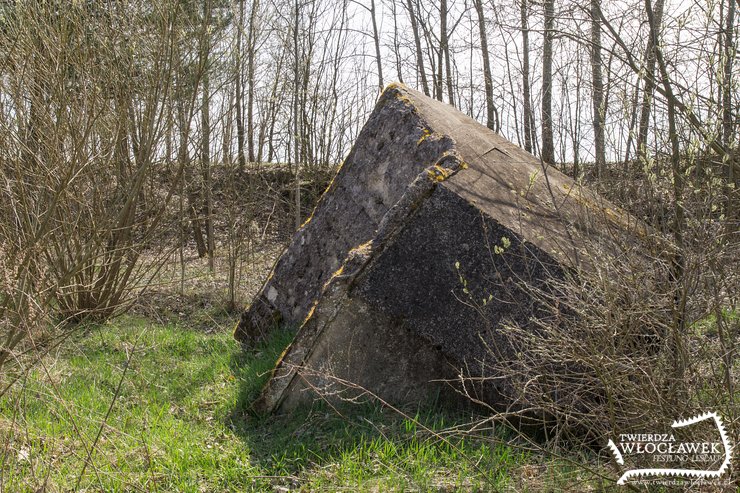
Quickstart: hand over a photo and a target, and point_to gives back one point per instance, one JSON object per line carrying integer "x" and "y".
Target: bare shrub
{"x": 80, "y": 124}
{"x": 625, "y": 345}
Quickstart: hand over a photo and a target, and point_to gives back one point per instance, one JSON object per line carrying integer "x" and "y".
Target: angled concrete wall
{"x": 385, "y": 159}
{"x": 406, "y": 298}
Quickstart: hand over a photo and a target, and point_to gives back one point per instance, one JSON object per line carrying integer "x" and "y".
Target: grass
{"x": 180, "y": 422}
{"x": 174, "y": 400}
{"x": 708, "y": 325}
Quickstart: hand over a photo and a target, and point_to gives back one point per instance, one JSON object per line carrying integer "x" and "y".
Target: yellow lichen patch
{"x": 428, "y": 135}
{"x": 464, "y": 165}
{"x": 395, "y": 85}
{"x": 279, "y": 361}
{"x": 424, "y": 134}
{"x": 403, "y": 98}
{"x": 337, "y": 273}
{"x": 310, "y": 312}
{"x": 308, "y": 220}
{"x": 331, "y": 182}
{"x": 362, "y": 249}
{"x": 438, "y": 173}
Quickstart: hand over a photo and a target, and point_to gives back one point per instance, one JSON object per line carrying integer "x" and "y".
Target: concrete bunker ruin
{"x": 414, "y": 257}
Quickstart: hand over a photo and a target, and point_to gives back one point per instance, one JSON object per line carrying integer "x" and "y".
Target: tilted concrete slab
{"x": 385, "y": 159}
{"x": 430, "y": 215}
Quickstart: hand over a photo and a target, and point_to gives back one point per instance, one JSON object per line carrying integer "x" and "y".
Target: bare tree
{"x": 297, "y": 137}
{"x": 396, "y": 44}
{"x": 251, "y": 54}
{"x": 239, "y": 81}
{"x": 548, "y": 145}
{"x": 678, "y": 261}
{"x": 376, "y": 41}
{"x": 729, "y": 55}
{"x": 205, "y": 156}
{"x": 527, "y": 103}
{"x": 649, "y": 77}
{"x": 491, "y": 112}
{"x": 597, "y": 88}
{"x": 444, "y": 49}
{"x": 417, "y": 44}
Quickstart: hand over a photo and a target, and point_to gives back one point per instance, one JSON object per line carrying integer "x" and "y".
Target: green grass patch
{"x": 708, "y": 325}
{"x": 180, "y": 421}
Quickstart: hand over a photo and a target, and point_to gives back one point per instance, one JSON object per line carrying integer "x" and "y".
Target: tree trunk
{"x": 728, "y": 119}
{"x": 548, "y": 146}
{"x": 438, "y": 89}
{"x": 527, "y": 104}
{"x": 491, "y": 113}
{"x": 206, "y": 163}
{"x": 168, "y": 136}
{"x": 296, "y": 115}
{"x": 729, "y": 59}
{"x": 396, "y": 45}
{"x": 205, "y": 113}
{"x": 445, "y": 47}
{"x": 631, "y": 128}
{"x": 597, "y": 88}
{"x": 192, "y": 196}
{"x": 239, "y": 102}
{"x": 273, "y": 110}
{"x": 251, "y": 47}
{"x": 227, "y": 133}
{"x": 678, "y": 263}
{"x": 417, "y": 44}
{"x": 647, "y": 95}
{"x": 376, "y": 40}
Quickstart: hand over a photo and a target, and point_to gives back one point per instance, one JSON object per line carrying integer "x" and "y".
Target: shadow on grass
{"x": 352, "y": 445}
